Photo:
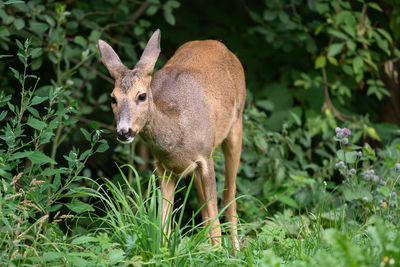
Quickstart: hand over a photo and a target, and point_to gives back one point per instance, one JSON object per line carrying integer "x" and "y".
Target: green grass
{"x": 131, "y": 225}
{"x": 127, "y": 231}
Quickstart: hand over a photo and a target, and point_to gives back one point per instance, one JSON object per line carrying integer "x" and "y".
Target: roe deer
{"x": 183, "y": 112}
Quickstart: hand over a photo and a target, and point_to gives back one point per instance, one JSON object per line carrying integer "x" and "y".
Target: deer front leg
{"x": 207, "y": 190}
{"x": 232, "y": 147}
{"x": 167, "y": 187}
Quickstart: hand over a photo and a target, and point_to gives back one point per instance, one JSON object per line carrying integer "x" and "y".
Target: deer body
{"x": 194, "y": 103}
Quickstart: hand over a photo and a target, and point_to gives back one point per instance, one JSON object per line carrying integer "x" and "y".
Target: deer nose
{"x": 124, "y": 134}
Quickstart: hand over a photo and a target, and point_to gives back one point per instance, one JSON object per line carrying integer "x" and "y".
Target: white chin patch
{"x": 128, "y": 141}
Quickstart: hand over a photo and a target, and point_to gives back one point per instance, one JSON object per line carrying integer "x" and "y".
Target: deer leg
{"x": 167, "y": 187}
{"x": 199, "y": 187}
{"x": 232, "y": 147}
{"x": 209, "y": 191}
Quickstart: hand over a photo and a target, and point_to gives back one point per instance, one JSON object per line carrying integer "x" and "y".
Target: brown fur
{"x": 195, "y": 102}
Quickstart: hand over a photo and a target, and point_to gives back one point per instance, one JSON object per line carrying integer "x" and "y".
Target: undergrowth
{"x": 343, "y": 212}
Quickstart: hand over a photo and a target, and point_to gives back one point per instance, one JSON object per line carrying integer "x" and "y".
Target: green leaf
{"x": 70, "y": 121}
{"x": 356, "y": 193}
{"x": 351, "y": 45}
{"x": 351, "y": 156}
{"x": 19, "y": 24}
{"x": 86, "y": 134}
{"x": 173, "y": 4}
{"x": 38, "y": 100}
{"x": 358, "y": 63}
{"x": 269, "y": 15}
{"x": 288, "y": 201}
{"x": 3, "y": 114}
{"x": 94, "y": 125}
{"x": 36, "y": 124}
{"x": 337, "y": 34}
{"x": 333, "y": 61}
{"x": 38, "y": 157}
{"x": 19, "y": 155}
{"x": 80, "y": 41}
{"x": 94, "y": 35}
{"x": 372, "y": 132}
{"x": 78, "y": 206}
{"x": 116, "y": 256}
{"x": 56, "y": 182}
{"x": 54, "y": 208}
{"x": 265, "y": 104}
{"x": 9, "y": 2}
{"x": 35, "y": 52}
{"x": 375, "y": 6}
{"x": 385, "y": 34}
{"x": 38, "y": 27}
{"x": 385, "y": 190}
{"x": 83, "y": 240}
{"x": 152, "y": 10}
{"x": 51, "y": 172}
{"x": 138, "y": 30}
{"x": 169, "y": 17}
{"x": 76, "y": 260}
{"x": 102, "y": 147}
{"x": 33, "y": 111}
{"x": 335, "y": 49}
{"x": 51, "y": 256}
{"x": 15, "y": 72}
{"x": 320, "y": 62}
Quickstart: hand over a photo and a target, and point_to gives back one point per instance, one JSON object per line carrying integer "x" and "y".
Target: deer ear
{"x": 111, "y": 60}
{"x": 150, "y": 53}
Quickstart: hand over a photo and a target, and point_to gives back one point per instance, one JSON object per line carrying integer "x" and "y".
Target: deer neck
{"x": 161, "y": 130}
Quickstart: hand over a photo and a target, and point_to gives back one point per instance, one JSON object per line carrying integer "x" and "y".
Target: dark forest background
{"x": 311, "y": 66}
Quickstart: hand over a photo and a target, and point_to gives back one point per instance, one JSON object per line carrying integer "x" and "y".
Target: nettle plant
{"x": 32, "y": 129}
{"x": 370, "y": 181}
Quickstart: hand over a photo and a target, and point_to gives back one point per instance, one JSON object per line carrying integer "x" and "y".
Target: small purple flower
{"x": 346, "y": 131}
{"x": 340, "y": 165}
{"x": 351, "y": 172}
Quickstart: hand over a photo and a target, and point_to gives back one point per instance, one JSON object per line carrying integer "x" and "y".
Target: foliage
{"x": 307, "y": 195}
{"x": 32, "y": 188}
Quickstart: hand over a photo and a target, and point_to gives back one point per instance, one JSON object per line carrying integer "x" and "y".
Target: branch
{"x": 135, "y": 16}
{"x": 101, "y": 124}
{"x": 328, "y": 103}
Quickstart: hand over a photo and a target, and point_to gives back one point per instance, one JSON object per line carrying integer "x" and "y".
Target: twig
{"x": 135, "y": 16}
{"x": 101, "y": 124}
{"x": 328, "y": 103}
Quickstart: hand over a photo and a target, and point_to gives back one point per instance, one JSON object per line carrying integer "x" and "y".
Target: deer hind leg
{"x": 199, "y": 187}
{"x": 167, "y": 187}
{"x": 232, "y": 147}
{"x": 207, "y": 189}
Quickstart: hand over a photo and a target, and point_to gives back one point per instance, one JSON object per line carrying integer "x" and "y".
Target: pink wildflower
{"x": 346, "y": 131}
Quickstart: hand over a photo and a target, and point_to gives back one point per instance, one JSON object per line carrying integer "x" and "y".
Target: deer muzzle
{"x": 125, "y": 134}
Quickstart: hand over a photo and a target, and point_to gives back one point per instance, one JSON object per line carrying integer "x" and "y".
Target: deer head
{"x": 131, "y": 98}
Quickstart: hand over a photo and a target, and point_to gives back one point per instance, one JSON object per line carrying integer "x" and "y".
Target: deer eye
{"x": 113, "y": 100}
{"x": 142, "y": 97}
